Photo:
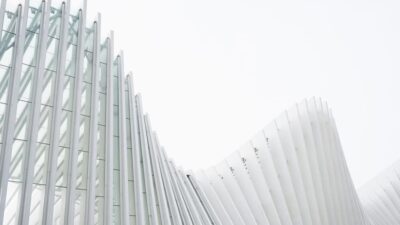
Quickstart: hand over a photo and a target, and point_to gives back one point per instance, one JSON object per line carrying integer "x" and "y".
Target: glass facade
{"x": 75, "y": 147}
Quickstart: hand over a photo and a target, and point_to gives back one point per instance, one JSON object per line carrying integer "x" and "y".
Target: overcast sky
{"x": 214, "y": 72}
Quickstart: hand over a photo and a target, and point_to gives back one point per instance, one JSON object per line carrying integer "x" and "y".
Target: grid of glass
{"x": 71, "y": 157}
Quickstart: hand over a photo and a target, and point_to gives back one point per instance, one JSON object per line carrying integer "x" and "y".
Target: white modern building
{"x": 291, "y": 172}
{"x": 76, "y": 147}
{"x": 381, "y": 197}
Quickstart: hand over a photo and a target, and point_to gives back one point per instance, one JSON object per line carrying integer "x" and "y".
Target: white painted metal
{"x": 76, "y": 121}
{"x": 148, "y": 172}
{"x": 153, "y": 150}
{"x": 109, "y": 134}
{"x": 48, "y": 210}
{"x": 293, "y": 172}
{"x": 137, "y": 161}
{"x": 91, "y": 196}
{"x": 380, "y": 197}
{"x": 172, "y": 202}
{"x": 122, "y": 142}
{"x": 33, "y": 126}
{"x": 12, "y": 98}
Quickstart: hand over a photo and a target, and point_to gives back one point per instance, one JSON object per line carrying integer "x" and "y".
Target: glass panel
{"x": 84, "y": 133}
{"x": 30, "y": 49}
{"x": 82, "y": 165}
{"x": 116, "y": 152}
{"x": 23, "y": 110}
{"x": 45, "y": 122}
{"x": 37, "y": 202}
{"x": 116, "y": 180}
{"x": 102, "y": 109}
{"x": 51, "y": 54}
{"x": 9, "y": 20}
{"x": 99, "y": 211}
{"x": 12, "y": 5}
{"x": 132, "y": 220}
{"x": 68, "y": 94}
{"x": 80, "y": 205}
{"x": 89, "y": 39}
{"x": 116, "y": 92}
{"x": 87, "y": 67}
{"x": 116, "y": 215}
{"x": 2, "y": 111}
{"x": 116, "y": 120}
{"x": 103, "y": 77}
{"x": 40, "y": 169}
{"x": 126, "y": 103}
{"x": 85, "y": 99}
{"x": 62, "y": 167}
{"x": 103, "y": 52}
{"x": 101, "y": 141}
{"x": 59, "y": 206}
{"x": 73, "y": 30}
{"x": 131, "y": 189}
{"x": 11, "y": 211}
{"x": 17, "y": 160}
{"x": 54, "y": 28}
{"x": 48, "y": 86}
{"x": 70, "y": 60}
{"x": 65, "y": 128}
{"x": 100, "y": 178}
{"x": 7, "y": 47}
{"x": 130, "y": 173}
{"x": 26, "y": 83}
{"x": 4, "y": 75}
{"x": 34, "y": 15}
{"x": 128, "y": 133}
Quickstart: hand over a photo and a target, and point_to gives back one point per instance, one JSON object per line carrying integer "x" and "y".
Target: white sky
{"x": 214, "y": 72}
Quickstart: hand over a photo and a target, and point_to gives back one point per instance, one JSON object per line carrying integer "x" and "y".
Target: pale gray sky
{"x": 214, "y": 72}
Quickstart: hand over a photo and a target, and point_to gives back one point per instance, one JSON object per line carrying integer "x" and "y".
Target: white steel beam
{"x": 172, "y": 202}
{"x": 76, "y": 119}
{"x": 159, "y": 186}
{"x": 48, "y": 209}
{"x": 109, "y": 134}
{"x": 203, "y": 199}
{"x": 33, "y": 126}
{"x": 94, "y": 104}
{"x": 149, "y": 184}
{"x": 136, "y": 156}
{"x": 12, "y": 99}
{"x": 122, "y": 142}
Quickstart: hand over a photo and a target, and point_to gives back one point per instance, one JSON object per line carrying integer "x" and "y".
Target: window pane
{"x": 45, "y": 123}
{"x": 30, "y": 50}
{"x": 84, "y": 133}
{"x": 85, "y": 99}
{"x": 12, "y": 203}
{"x": 23, "y": 111}
{"x": 59, "y": 206}
{"x": 40, "y": 169}
{"x": 62, "y": 167}
{"x": 65, "y": 128}
{"x": 82, "y": 165}
{"x": 100, "y": 182}
{"x": 17, "y": 160}
{"x": 37, "y": 202}
{"x": 4, "y": 76}
{"x": 8, "y": 41}
{"x": 26, "y": 82}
